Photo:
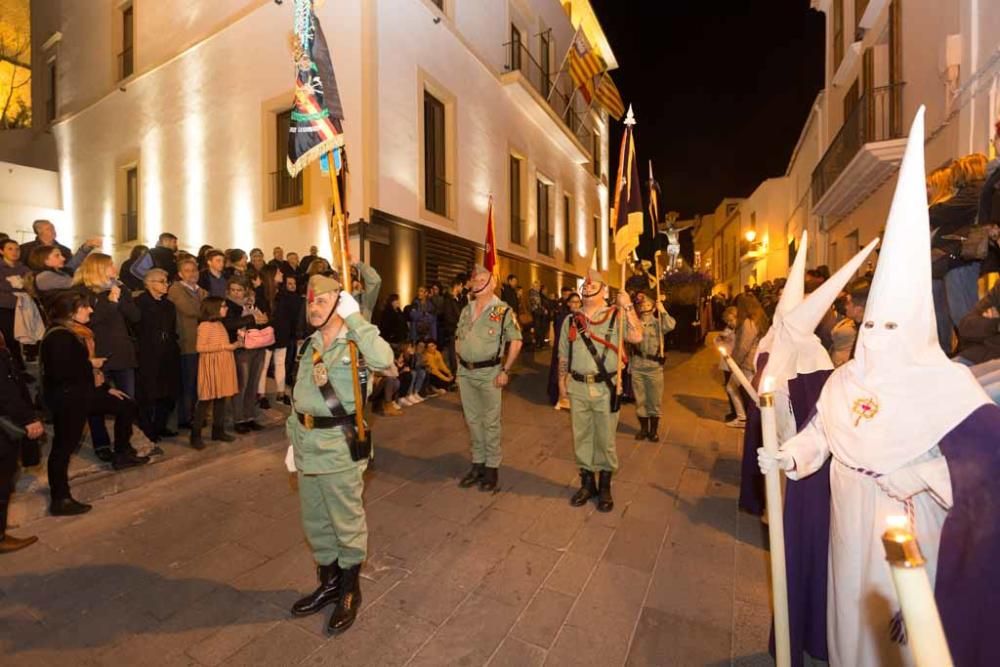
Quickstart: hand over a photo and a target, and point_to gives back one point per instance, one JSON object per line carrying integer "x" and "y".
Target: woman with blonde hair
{"x": 114, "y": 312}
{"x": 752, "y": 324}
{"x": 940, "y": 185}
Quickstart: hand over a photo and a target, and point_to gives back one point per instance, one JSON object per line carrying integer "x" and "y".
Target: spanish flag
{"x": 490, "y": 262}
{"x": 607, "y": 96}
{"x": 627, "y": 218}
{"x": 584, "y": 65}
{"x": 316, "y": 126}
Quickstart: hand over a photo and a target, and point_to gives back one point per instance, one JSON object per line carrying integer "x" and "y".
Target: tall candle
{"x": 775, "y": 527}
{"x": 738, "y": 372}
{"x": 924, "y": 632}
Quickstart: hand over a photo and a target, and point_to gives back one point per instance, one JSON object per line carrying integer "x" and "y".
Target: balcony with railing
{"x": 865, "y": 153}
{"x": 550, "y": 98}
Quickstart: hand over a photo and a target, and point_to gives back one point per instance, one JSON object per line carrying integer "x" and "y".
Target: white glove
{"x": 290, "y": 459}
{"x": 903, "y": 483}
{"x": 347, "y": 305}
{"x": 768, "y": 462}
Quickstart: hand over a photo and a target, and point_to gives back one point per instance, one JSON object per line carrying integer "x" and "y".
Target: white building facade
{"x": 170, "y": 118}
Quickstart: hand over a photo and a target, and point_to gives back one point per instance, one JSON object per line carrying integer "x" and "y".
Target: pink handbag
{"x": 255, "y": 339}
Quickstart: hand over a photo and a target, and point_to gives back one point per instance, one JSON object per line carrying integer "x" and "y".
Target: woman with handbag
{"x": 158, "y": 377}
{"x": 74, "y": 388}
{"x": 17, "y": 422}
{"x": 265, "y": 298}
{"x": 241, "y": 318}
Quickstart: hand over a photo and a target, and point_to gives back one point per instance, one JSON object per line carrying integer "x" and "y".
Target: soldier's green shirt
{"x": 325, "y": 450}
{"x": 651, "y": 332}
{"x": 583, "y": 361}
{"x": 479, "y": 339}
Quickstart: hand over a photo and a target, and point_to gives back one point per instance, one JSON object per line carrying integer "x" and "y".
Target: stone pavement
{"x": 200, "y": 567}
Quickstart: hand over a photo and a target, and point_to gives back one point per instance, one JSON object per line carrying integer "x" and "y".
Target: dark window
{"x": 544, "y": 227}
{"x": 515, "y": 48}
{"x": 126, "y": 58}
{"x": 435, "y": 185}
{"x": 287, "y": 190}
{"x": 595, "y": 154}
{"x": 851, "y": 100}
{"x": 567, "y": 229}
{"x": 50, "y": 105}
{"x": 838, "y": 33}
{"x": 515, "y": 201}
{"x": 543, "y": 54}
{"x": 130, "y": 219}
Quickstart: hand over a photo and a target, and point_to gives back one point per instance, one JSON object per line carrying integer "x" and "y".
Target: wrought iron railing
{"x": 286, "y": 192}
{"x": 876, "y": 117}
{"x": 556, "y": 87}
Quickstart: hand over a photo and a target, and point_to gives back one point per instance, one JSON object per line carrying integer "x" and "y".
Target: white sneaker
{"x": 405, "y": 401}
{"x": 416, "y": 398}
{"x": 441, "y": 392}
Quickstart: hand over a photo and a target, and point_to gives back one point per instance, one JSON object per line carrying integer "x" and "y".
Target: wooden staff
{"x": 656, "y": 275}
{"x": 338, "y": 227}
{"x": 621, "y": 341}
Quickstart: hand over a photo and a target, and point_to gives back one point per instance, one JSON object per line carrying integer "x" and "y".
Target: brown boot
{"x": 9, "y": 544}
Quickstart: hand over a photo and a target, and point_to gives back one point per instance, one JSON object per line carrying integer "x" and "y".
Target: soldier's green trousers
{"x": 481, "y": 402}
{"x": 594, "y": 426}
{"x": 648, "y": 386}
{"x": 333, "y": 516}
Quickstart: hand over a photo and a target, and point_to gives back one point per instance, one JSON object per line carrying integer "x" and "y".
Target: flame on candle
{"x": 722, "y": 351}
{"x": 897, "y": 521}
{"x": 767, "y": 386}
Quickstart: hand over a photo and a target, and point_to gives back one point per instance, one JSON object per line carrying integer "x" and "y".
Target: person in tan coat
{"x": 216, "y": 371}
{"x": 187, "y": 296}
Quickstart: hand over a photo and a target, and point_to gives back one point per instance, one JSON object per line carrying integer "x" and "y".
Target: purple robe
{"x": 968, "y": 582}
{"x": 807, "y": 536}
{"x": 751, "y": 481}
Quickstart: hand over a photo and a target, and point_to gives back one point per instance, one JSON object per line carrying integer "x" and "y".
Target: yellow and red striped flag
{"x": 584, "y": 65}
{"x": 607, "y": 96}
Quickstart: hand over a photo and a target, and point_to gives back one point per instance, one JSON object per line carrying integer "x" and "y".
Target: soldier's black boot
{"x": 473, "y": 476}
{"x": 654, "y": 427}
{"x": 327, "y": 593}
{"x": 588, "y": 489}
{"x": 490, "y": 479}
{"x": 349, "y": 603}
{"x": 643, "y": 428}
{"x": 605, "y": 503}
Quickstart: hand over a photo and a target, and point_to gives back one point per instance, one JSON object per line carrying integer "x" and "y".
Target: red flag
{"x": 490, "y": 262}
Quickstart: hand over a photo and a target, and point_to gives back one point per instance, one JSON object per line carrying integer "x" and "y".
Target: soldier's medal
{"x": 864, "y": 408}
{"x": 320, "y": 375}
{"x": 493, "y": 332}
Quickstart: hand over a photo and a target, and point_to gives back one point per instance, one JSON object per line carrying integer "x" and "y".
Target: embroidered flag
{"x": 316, "y": 124}
{"x": 627, "y": 215}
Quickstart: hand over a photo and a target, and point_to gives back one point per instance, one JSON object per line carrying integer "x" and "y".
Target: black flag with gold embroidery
{"x": 316, "y": 125}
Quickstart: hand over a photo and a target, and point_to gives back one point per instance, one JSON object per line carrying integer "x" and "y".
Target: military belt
{"x": 596, "y": 378}
{"x": 652, "y": 357}
{"x": 473, "y": 365}
{"x": 313, "y": 422}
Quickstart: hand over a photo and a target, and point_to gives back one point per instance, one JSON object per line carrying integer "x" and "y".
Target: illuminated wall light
{"x": 242, "y": 207}
{"x": 107, "y": 227}
{"x": 194, "y": 160}
{"x": 66, "y": 227}
{"x": 150, "y": 177}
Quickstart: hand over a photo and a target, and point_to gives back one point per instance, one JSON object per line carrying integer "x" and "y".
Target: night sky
{"x": 720, "y": 90}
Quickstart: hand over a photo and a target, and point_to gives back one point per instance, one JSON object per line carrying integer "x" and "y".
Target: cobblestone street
{"x": 199, "y": 566}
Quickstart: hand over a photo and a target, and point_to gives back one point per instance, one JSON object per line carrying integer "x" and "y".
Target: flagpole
{"x": 656, "y": 274}
{"x": 563, "y": 64}
{"x": 629, "y": 122}
{"x": 340, "y": 222}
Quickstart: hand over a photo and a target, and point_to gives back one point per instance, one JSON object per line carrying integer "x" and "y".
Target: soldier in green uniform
{"x": 484, "y": 327}
{"x": 646, "y": 363}
{"x": 588, "y": 361}
{"x": 326, "y": 450}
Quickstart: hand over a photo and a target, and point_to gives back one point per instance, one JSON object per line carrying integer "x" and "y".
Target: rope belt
{"x": 911, "y": 513}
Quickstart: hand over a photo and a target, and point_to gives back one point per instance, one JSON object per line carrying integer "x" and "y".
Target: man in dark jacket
{"x": 165, "y": 254}
{"x": 15, "y": 406}
{"x": 451, "y": 310}
{"x": 45, "y": 235}
{"x": 508, "y": 293}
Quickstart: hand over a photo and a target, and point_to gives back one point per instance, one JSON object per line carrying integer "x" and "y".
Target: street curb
{"x": 33, "y": 504}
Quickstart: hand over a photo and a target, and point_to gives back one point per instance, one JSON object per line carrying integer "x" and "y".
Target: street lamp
{"x": 751, "y": 235}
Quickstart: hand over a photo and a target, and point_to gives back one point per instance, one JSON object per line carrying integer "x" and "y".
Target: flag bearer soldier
{"x": 588, "y": 361}
{"x": 326, "y": 450}
{"x": 646, "y": 361}
{"x": 484, "y": 327}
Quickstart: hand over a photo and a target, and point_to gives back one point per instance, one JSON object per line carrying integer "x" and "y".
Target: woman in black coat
{"x": 158, "y": 377}
{"x": 393, "y": 323}
{"x": 75, "y": 389}
{"x": 15, "y": 406}
{"x": 288, "y": 309}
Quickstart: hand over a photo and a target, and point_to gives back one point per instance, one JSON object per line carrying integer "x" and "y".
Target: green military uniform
{"x": 594, "y": 424}
{"x": 372, "y": 283}
{"x": 480, "y": 342}
{"x": 647, "y": 366}
{"x": 330, "y": 483}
